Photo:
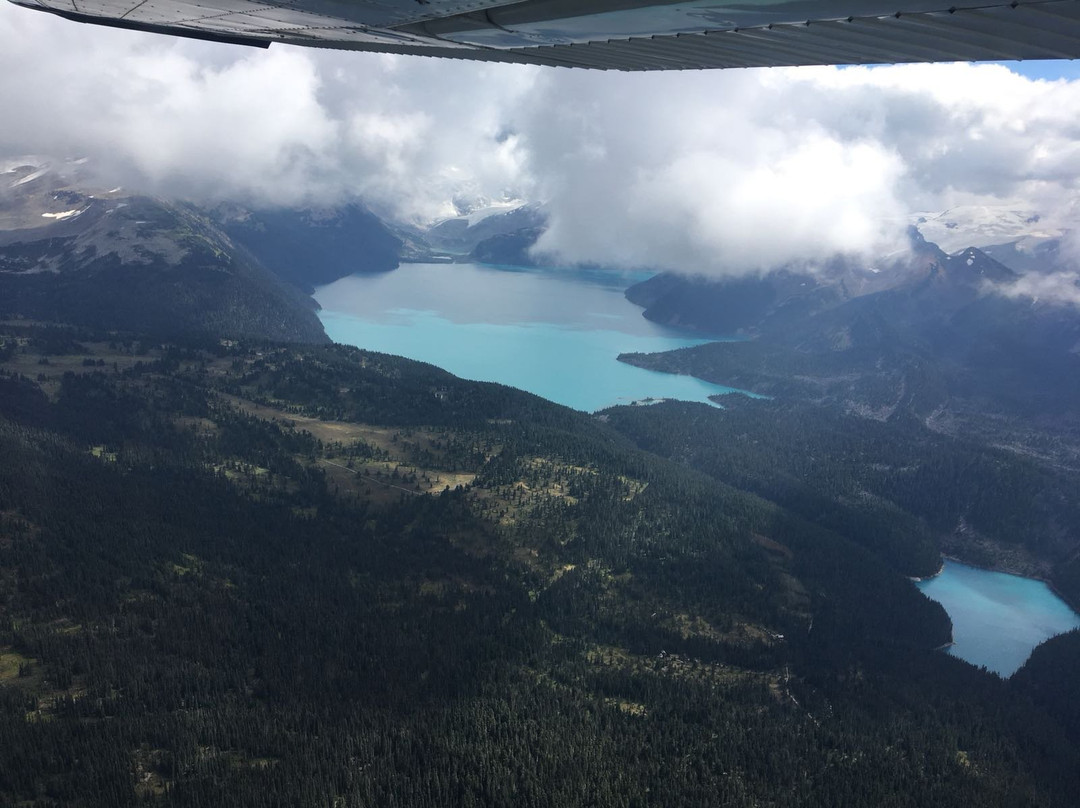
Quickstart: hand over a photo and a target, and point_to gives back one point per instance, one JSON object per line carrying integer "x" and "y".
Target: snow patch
{"x": 476, "y": 216}
{"x": 67, "y": 214}
{"x": 30, "y": 177}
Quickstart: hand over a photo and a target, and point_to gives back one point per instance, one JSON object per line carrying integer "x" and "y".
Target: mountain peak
{"x": 972, "y": 265}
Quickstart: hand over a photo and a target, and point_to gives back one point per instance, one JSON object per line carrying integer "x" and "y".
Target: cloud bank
{"x": 707, "y": 172}
{"x": 1053, "y": 287}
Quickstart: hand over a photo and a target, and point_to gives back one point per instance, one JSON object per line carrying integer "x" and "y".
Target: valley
{"x": 242, "y": 564}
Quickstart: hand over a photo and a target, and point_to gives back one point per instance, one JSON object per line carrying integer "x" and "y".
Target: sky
{"x": 702, "y": 171}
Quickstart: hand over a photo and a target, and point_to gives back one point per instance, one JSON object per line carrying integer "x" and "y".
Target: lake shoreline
{"x": 941, "y": 569}
{"x": 1007, "y": 571}
{"x": 558, "y": 333}
{"x": 998, "y": 617}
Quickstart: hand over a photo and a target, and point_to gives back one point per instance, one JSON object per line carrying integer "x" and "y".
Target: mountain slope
{"x": 939, "y": 337}
{"x": 312, "y": 247}
{"x": 145, "y": 265}
{"x": 786, "y": 296}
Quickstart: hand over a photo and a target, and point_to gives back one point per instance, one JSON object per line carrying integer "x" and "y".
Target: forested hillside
{"x": 311, "y": 247}
{"x": 936, "y": 413}
{"x": 240, "y": 573}
{"x": 903, "y": 491}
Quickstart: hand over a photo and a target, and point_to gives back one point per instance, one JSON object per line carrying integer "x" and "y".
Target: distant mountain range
{"x": 762, "y": 303}
{"x": 1021, "y": 239}
{"x": 464, "y": 235}
{"x": 958, "y": 316}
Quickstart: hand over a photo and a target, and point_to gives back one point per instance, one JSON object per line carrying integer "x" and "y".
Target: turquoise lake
{"x": 552, "y": 332}
{"x": 997, "y": 618}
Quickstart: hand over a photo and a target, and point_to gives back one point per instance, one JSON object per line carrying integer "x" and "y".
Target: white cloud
{"x": 701, "y": 172}
{"x": 1056, "y": 287}
{"x": 723, "y": 171}
{"x": 280, "y": 125}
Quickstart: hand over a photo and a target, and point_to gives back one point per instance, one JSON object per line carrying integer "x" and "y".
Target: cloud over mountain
{"x": 710, "y": 172}
{"x": 1057, "y": 287}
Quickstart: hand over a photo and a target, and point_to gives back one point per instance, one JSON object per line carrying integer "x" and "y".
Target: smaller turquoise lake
{"x": 553, "y": 332}
{"x": 997, "y": 618}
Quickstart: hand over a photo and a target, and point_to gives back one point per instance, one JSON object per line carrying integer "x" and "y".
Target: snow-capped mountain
{"x": 462, "y": 234}
{"x": 1027, "y": 236}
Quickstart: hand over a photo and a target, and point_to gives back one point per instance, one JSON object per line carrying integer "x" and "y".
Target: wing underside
{"x": 619, "y": 34}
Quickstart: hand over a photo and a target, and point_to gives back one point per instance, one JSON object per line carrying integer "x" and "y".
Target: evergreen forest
{"x": 249, "y": 573}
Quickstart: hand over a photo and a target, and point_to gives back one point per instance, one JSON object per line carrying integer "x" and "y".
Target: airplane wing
{"x": 620, "y": 34}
